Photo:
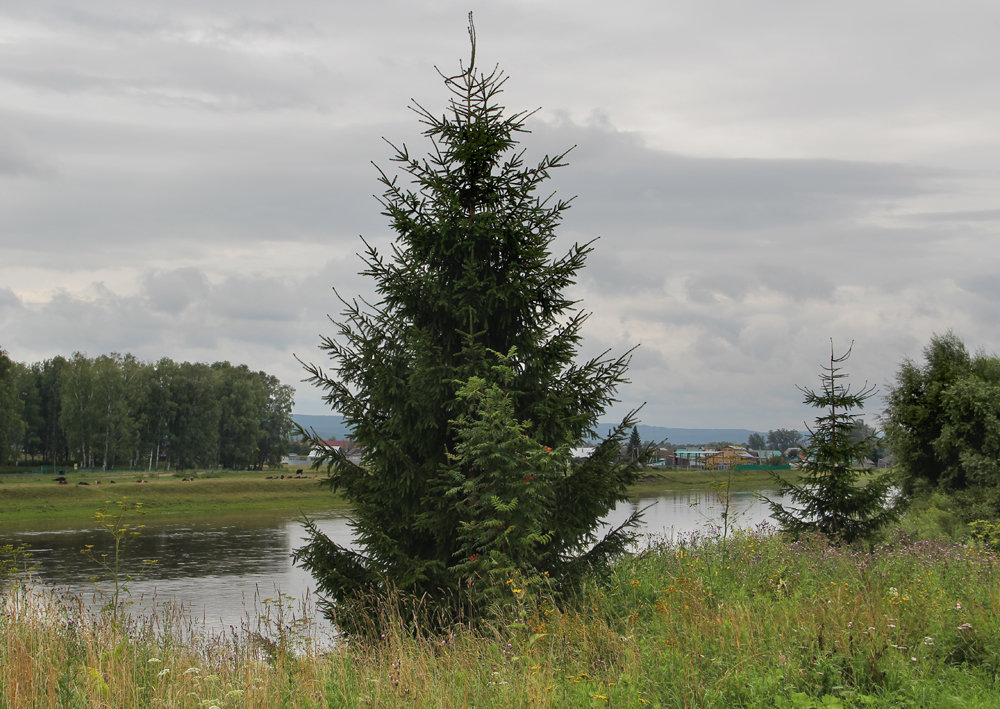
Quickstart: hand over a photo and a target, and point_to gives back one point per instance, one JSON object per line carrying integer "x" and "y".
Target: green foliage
{"x": 114, "y": 411}
{"x": 755, "y": 441}
{"x": 830, "y": 498}
{"x": 447, "y": 437}
{"x": 942, "y": 422}
{"x": 14, "y": 559}
{"x": 11, "y": 410}
{"x": 634, "y": 444}
{"x": 934, "y": 516}
{"x": 986, "y": 532}
{"x": 783, "y": 438}
{"x": 117, "y": 521}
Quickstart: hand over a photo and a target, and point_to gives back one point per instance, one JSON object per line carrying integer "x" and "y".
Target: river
{"x": 224, "y": 572}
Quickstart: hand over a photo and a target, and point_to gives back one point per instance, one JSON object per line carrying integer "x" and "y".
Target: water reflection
{"x": 217, "y": 568}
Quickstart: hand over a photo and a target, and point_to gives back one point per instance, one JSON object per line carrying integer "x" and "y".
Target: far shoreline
{"x": 30, "y": 500}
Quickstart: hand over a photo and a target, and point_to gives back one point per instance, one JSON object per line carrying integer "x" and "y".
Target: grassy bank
{"x": 751, "y": 621}
{"x": 694, "y": 478}
{"x": 37, "y": 500}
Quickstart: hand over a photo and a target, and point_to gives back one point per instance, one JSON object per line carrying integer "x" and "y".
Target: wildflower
{"x": 154, "y": 660}
{"x": 928, "y": 640}
{"x": 958, "y": 605}
{"x": 164, "y": 672}
{"x": 965, "y": 626}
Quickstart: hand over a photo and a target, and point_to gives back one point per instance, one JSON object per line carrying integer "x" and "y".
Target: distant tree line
{"x": 115, "y": 411}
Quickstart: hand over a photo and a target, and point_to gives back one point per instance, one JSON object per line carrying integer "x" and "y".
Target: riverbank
{"x": 36, "y": 500}
{"x": 752, "y": 620}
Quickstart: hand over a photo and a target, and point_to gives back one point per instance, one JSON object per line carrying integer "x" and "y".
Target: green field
{"x": 36, "y": 500}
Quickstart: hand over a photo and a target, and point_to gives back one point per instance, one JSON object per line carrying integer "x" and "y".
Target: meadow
{"x": 752, "y": 619}
{"x": 33, "y": 500}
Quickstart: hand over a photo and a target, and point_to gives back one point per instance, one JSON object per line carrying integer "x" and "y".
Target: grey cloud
{"x": 987, "y": 286}
{"x": 18, "y": 162}
{"x": 178, "y": 314}
{"x": 175, "y": 290}
{"x": 239, "y": 189}
{"x": 9, "y": 300}
{"x": 257, "y": 299}
{"x": 959, "y": 217}
{"x": 613, "y": 173}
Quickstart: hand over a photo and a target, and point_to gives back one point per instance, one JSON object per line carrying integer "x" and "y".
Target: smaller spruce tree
{"x": 634, "y": 444}
{"x": 830, "y": 497}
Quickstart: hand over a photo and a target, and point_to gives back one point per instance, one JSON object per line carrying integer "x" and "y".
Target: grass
{"x": 754, "y": 620}
{"x": 35, "y": 499}
{"x": 738, "y": 480}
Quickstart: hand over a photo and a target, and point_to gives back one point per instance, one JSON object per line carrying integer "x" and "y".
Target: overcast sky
{"x": 188, "y": 179}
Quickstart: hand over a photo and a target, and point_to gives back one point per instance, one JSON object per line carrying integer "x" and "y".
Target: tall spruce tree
{"x": 462, "y": 386}
{"x": 830, "y": 497}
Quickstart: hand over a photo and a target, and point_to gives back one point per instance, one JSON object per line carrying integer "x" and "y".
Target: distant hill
{"x": 332, "y": 427}
{"x": 327, "y": 427}
{"x": 688, "y": 436}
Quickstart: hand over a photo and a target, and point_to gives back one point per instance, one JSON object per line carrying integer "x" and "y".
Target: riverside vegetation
{"x": 754, "y": 619}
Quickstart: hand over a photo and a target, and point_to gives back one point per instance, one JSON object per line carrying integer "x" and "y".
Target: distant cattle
{"x": 61, "y": 480}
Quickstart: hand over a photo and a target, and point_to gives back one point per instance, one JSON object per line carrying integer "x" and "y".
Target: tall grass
{"x": 751, "y": 620}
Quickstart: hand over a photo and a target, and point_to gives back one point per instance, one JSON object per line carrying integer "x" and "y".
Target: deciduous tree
{"x": 11, "y": 410}
{"x": 942, "y": 423}
{"x": 783, "y": 438}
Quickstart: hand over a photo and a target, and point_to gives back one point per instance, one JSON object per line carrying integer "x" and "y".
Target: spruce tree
{"x": 830, "y": 498}
{"x": 462, "y": 386}
{"x": 634, "y": 444}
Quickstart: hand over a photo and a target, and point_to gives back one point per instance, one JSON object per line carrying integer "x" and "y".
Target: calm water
{"x": 222, "y": 570}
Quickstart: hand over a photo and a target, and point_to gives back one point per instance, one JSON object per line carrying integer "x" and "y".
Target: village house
{"x": 729, "y": 457}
